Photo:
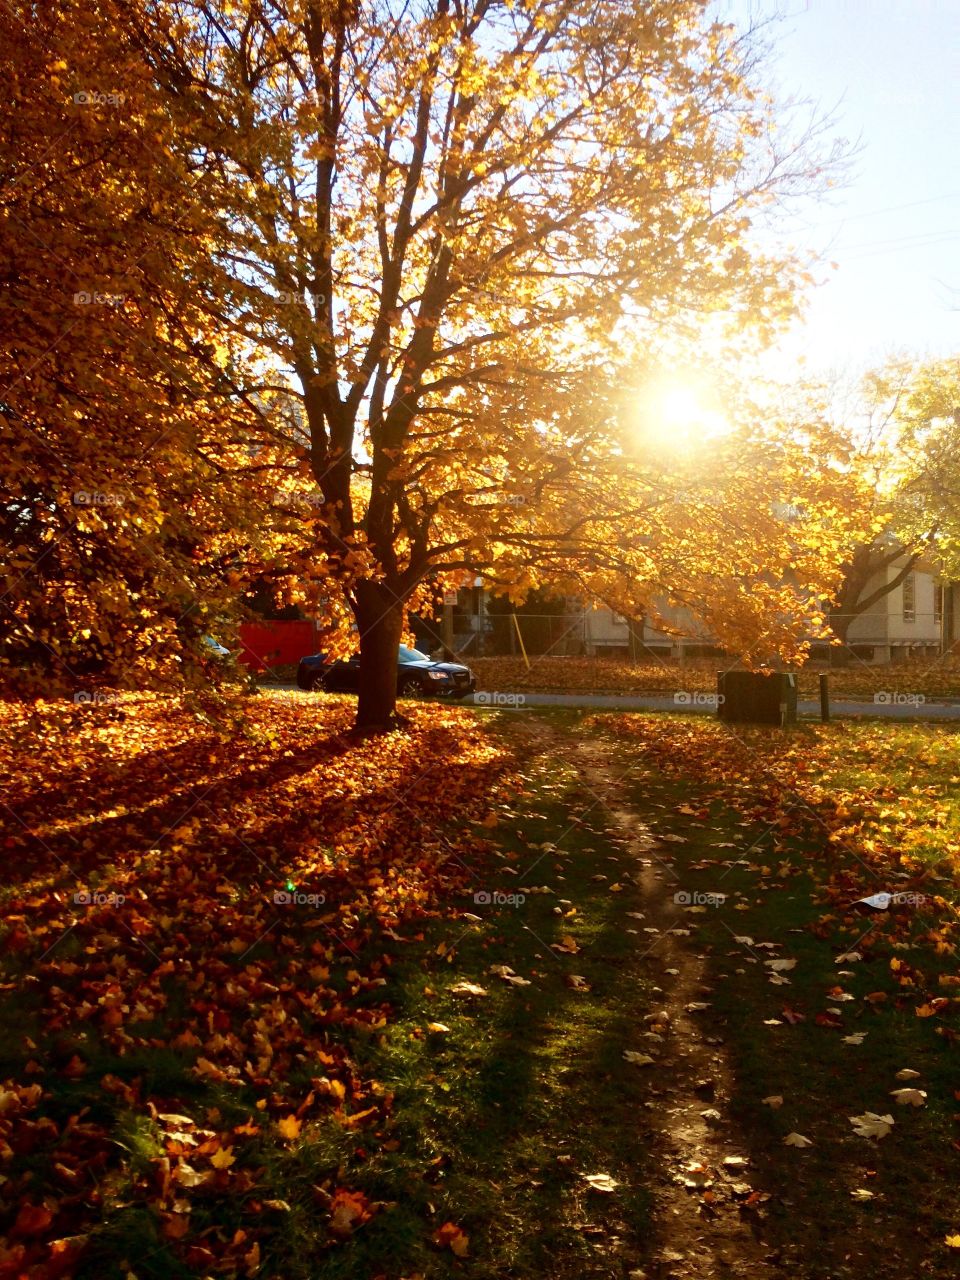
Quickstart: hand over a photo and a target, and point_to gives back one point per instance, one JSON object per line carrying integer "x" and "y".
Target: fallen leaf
{"x": 32, "y": 1219}
{"x": 601, "y": 1181}
{"x": 507, "y": 974}
{"x": 879, "y": 901}
{"x": 454, "y": 1238}
{"x": 796, "y": 1140}
{"x": 467, "y": 989}
{"x": 871, "y": 1125}
{"x": 932, "y": 1007}
{"x": 909, "y": 1097}
{"x": 289, "y": 1127}
{"x": 348, "y": 1210}
{"x": 567, "y": 944}
{"x": 187, "y": 1176}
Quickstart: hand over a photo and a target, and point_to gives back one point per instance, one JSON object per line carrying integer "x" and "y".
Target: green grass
{"x": 495, "y": 1122}
{"x": 776, "y": 894}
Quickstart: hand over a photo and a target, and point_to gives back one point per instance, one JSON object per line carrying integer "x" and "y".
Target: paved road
{"x": 622, "y": 702}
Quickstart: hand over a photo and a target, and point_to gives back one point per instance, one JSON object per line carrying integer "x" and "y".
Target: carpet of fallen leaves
{"x": 227, "y": 888}
{"x": 922, "y": 678}
{"x": 879, "y": 800}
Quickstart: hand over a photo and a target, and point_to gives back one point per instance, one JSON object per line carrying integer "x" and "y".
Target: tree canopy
{"x": 357, "y": 297}
{"x": 451, "y": 228}
{"x": 129, "y": 494}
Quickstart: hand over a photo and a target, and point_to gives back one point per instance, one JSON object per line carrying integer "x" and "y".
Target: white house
{"x": 914, "y": 619}
{"x": 917, "y": 618}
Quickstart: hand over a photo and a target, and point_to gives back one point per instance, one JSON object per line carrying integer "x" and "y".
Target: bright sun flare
{"x": 679, "y": 414}
{"x": 680, "y": 405}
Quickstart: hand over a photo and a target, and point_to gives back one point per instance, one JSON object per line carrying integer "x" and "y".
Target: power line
{"x": 895, "y": 208}
{"x": 880, "y": 247}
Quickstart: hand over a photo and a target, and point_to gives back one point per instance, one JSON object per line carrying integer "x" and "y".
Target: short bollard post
{"x": 824, "y": 697}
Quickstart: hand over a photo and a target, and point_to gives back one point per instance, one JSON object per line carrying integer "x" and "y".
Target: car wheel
{"x": 317, "y": 684}
{"x": 408, "y": 688}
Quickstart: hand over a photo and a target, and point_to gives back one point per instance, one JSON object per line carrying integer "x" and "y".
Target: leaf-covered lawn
{"x": 198, "y": 922}
{"x": 257, "y": 1025}
{"x": 840, "y": 1018}
{"x": 882, "y": 799}
{"x": 923, "y": 678}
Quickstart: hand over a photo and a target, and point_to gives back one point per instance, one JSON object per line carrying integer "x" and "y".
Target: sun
{"x": 675, "y": 413}
{"x": 679, "y": 405}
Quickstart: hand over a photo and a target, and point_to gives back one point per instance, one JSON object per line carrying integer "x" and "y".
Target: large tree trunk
{"x": 379, "y": 617}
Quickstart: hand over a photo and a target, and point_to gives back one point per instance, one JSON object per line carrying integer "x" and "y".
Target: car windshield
{"x": 412, "y": 655}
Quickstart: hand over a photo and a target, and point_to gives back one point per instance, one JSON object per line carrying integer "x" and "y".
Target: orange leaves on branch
{"x": 129, "y": 492}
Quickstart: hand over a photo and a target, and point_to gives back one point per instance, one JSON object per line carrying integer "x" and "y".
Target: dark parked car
{"x": 416, "y": 674}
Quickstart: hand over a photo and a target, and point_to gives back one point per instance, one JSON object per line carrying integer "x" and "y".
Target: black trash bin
{"x": 751, "y": 697}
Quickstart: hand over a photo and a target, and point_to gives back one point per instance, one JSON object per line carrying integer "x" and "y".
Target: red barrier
{"x": 272, "y": 644}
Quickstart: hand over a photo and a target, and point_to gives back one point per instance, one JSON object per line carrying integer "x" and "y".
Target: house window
{"x": 938, "y": 602}
{"x": 910, "y": 598}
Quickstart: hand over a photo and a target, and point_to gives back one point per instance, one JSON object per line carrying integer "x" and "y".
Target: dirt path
{"x": 708, "y": 1210}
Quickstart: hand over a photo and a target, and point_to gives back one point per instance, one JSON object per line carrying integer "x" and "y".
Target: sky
{"x": 892, "y": 70}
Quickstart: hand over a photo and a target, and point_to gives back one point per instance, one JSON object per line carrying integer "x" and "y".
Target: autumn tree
{"x": 926, "y": 412}
{"x": 899, "y": 420}
{"x": 746, "y": 526}
{"x": 451, "y": 224}
{"x": 130, "y": 492}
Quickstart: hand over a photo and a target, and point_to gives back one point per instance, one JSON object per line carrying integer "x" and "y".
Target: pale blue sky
{"x": 893, "y": 66}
